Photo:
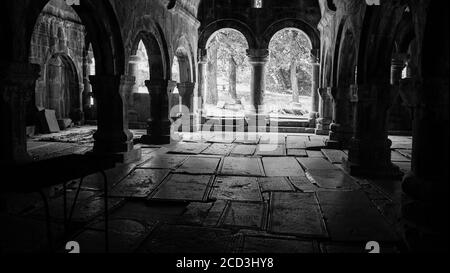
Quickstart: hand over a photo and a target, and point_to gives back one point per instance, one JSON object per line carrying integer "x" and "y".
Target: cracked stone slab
{"x": 243, "y": 150}
{"x": 268, "y": 184}
{"x": 296, "y": 142}
{"x": 150, "y": 212}
{"x": 316, "y": 144}
{"x": 248, "y": 166}
{"x": 182, "y": 187}
{"x": 189, "y": 239}
{"x": 296, "y": 214}
{"x": 245, "y": 214}
{"x": 262, "y": 244}
{"x": 332, "y": 179}
{"x": 216, "y": 213}
{"x": 140, "y": 183}
{"x": 124, "y": 236}
{"x": 271, "y": 150}
{"x": 334, "y": 156}
{"x": 188, "y": 148}
{"x": 350, "y": 216}
{"x": 195, "y": 213}
{"x": 282, "y": 166}
{"x": 218, "y": 149}
{"x": 238, "y": 188}
{"x": 199, "y": 165}
{"x": 303, "y": 184}
{"x": 316, "y": 164}
{"x": 164, "y": 161}
{"x": 297, "y": 152}
{"x": 398, "y": 157}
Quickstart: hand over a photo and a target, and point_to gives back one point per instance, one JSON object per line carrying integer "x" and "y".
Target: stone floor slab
{"x": 332, "y": 179}
{"x": 296, "y": 214}
{"x": 350, "y": 216}
{"x": 195, "y": 213}
{"x": 248, "y": 166}
{"x": 316, "y": 164}
{"x": 303, "y": 184}
{"x": 188, "y": 239}
{"x": 227, "y": 139}
{"x": 398, "y": 157}
{"x": 260, "y": 244}
{"x": 296, "y": 142}
{"x": 164, "y": 161}
{"x": 243, "y": 150}
{"x": 315, "y": 154}
{"x": 150, "y": 212}
{"x": 245, "y": 214}
{"x": 297, "y": 152}
{"x": 316, "y": 144}
{"x": 334, "y": 156}
{"x": 238, "y": 188}
{"x": 140, "y": 183}
{"x": 215, "y": 214}
{"x": 188, "y": 148}
{"x": 218, "y": 149}
{"x": 268, "y": 184}
{"x": 282, "y": 166}
{"x": 272, "y": 139}
{"x": 271, "y": 150}
{"x": 181, "y": 187}
{"x": 199, "y": 165}
{"x": 249, "y": 139}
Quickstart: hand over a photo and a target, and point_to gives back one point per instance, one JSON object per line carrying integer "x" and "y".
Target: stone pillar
{"x": 258, "y": 59}
{"x": 199, "y": 99}
{"x": 159, "y": 125}
{"x": 315, "y": 63}
{"x": 133, "y": 70}
{"x": 341, "y": 130}
{"x": 325, "y": 112}
{"x": 112, "y": 136}
{"x": 186, "y": 90}
{"x": 17, "y": 86}
{"x": 370, "y": 148}
{"x": 397, "y": 65}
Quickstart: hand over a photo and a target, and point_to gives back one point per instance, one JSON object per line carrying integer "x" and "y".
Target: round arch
{"x": 291, "y": 23}
{"x": 103, "y": 31}
{"x": 249, "y": 35}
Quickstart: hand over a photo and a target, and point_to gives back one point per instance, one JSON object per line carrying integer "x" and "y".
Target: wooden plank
{"x": 199, "y": 165}
{"x": 218, "y": 149}
{"x": 244, "y": 214}
{"x": 297, "y": 152}
{"x": 332, "y": 179}
{"x": 350, "y": 216}
{"x": 243, "y": 150}
{"x": 296, "y": 142}
{"x": 282, "y": 166}
{"x": 181, "y": 187}
{"x": 189, "y": 148}
{"x": 140, "y": 183}
{"x": 296, "y": 214}
{"x": 334, "y": 156}
{"x": 236, "y": 188}
{"x": 268, "y": 184}
{"x": 164, "y": 161}
{"x": 249, "y": 166}
{"x": 316, "y": 164}
{"x": 271, "y": 150}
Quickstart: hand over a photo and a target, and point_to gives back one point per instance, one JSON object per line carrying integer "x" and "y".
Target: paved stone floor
{"x": 220, "y": 193}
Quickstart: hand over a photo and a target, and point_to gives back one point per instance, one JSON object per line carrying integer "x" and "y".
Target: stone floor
{"x": 220, "y": 193}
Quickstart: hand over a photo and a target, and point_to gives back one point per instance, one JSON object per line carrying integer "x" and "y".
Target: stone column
{"x": 370, "y": 148}
{"x": 258, "y": 59}
{"x": 159, "y": 125}
{"x": 186, "y": 90}
{"x": 325, "y": 112}
{"x": 199, "y": 99}
{"x": 341, "y": 130}
{"x": 17, "y": 86}
{"x": 315, "y": 63}
{"x": 112, "y": 136}
{"x": 397, "y": 65}
{"x": 133, "y": 70}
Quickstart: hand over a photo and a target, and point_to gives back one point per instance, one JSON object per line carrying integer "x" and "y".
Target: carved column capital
{"x": 258, "y": 56}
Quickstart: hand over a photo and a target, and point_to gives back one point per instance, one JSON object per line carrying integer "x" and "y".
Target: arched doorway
{"x": 289, "y": 74}
{"x": 228, "y": 74}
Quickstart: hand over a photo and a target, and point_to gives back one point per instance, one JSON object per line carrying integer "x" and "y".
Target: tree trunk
{"x": 282, "y": 78}
{"x": 212, "y": 92}
{"x": 232, "y": 78}
{"x": 294, "y": 82}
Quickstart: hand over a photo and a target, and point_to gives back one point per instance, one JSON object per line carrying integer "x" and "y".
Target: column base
{"x": 333, "y": 144}
{"x": 390, "y": 171}
{"x": 155, "y": 139}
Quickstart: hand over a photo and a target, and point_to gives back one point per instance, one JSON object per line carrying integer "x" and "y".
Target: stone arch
{"x": 310, "y": 32}
{"x": 151, "y": 34}
{"x": 346, "y": 60}
{"x": 249, "y": 35}
{"x": 103, "y": 31}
